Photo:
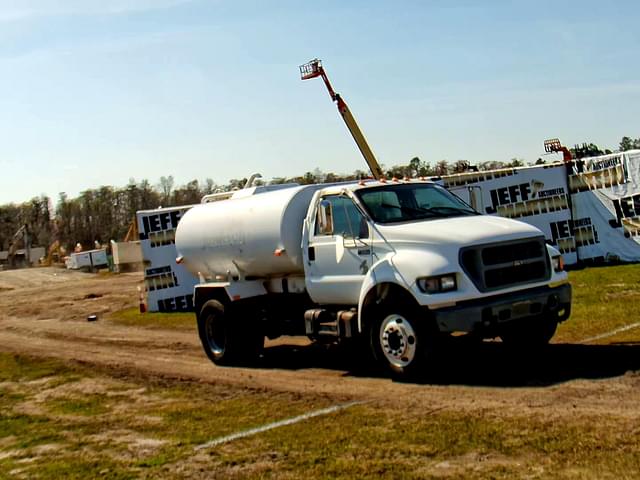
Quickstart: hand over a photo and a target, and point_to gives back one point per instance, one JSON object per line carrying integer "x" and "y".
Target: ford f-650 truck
{"x": 395, "y": 266}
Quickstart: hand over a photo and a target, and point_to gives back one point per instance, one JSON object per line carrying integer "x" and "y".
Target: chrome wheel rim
{"x": 398, "y": 340}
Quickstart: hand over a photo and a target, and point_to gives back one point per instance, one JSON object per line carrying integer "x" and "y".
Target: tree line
{"x": 105, "y": 213}
{"x": 101, "y": 214}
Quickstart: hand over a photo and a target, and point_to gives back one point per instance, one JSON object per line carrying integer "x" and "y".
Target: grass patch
{"x": 23, "y": 426}
{"x": 81, "y": 469}
{"x": 87, "y": 405}
{"x": 124, "y": 426}
{"x": 173, "y": 321}
{"x": 365, "y": 442}
{"x": 145, "y": 427}
{"x": 15, "y": 367}
{"x": 604, "y": 299}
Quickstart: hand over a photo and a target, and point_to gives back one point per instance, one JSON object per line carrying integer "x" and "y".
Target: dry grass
{"x": 132, "y": 317}
{"x": 66, "y": 421}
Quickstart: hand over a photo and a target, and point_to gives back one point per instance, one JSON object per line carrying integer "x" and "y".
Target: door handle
{"x": 312, "y": 254}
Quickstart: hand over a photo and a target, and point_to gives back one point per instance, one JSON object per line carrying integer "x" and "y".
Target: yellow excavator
{"x": 55, "y": 254}
{"x": 314, "y": 69}
{"x": 132, "y": 232}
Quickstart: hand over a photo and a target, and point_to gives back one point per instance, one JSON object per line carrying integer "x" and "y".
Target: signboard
{"x": 606, "y": 195}
{"x": 536, "y": 195}
{"x": 589, "y": 209}
{"x": 169, "y": 286}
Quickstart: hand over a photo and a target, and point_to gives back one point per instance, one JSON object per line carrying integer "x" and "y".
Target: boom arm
{"x": 23, "y": 232}
{"x": 314, "y": 69}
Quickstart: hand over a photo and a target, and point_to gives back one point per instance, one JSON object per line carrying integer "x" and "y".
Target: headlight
{"x": 558, "y": 263}
{"x": 439, "y": 284}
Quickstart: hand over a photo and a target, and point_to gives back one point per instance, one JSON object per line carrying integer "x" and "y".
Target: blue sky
{"x": 95, "y": 92}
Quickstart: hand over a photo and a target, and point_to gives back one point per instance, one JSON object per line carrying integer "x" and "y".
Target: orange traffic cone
{"x": 143, "y": 303}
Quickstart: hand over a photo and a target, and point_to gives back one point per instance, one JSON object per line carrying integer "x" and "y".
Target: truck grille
{"x": 502, "y": 265}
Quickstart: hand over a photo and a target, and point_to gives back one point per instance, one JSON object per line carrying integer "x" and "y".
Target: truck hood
{"x": 463, "y": 231}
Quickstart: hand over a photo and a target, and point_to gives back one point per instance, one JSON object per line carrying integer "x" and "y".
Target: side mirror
{"x": 325, "y": 218}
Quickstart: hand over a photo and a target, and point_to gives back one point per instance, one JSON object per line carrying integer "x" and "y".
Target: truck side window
{"x": 347, "y": 219}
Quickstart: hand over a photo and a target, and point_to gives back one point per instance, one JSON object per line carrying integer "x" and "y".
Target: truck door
{"x": 338, "y": 254}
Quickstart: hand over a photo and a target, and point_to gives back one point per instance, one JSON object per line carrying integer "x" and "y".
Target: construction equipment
{"x": 553, "y": 145}
{"x": 21, "y": 234}
{"x": 55, "y": 254}
{"x": 132, "y": 232}
{"x": 314, "y": 69}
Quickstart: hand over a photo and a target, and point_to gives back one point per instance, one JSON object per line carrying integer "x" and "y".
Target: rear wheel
{"x": 228, "y": 338}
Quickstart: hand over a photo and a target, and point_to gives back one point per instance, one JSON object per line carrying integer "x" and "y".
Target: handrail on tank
{"x": 217, "y": 196}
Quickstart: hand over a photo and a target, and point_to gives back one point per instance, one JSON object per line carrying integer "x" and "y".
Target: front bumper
{"x": 489, "y": 313}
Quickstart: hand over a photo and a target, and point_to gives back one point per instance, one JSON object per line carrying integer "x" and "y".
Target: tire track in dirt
{"x": 62, "y": 333}
{"x": 576, "y": 398}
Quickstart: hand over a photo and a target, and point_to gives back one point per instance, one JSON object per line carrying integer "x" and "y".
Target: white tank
{"x": 241, "y": 235}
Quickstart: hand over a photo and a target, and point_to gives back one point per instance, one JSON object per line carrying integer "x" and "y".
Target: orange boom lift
{"x": 553, "y": 145}
{"x": 314, "y": 69}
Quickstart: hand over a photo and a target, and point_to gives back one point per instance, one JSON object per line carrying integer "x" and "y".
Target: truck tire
{"x": 532, "y": 333}
{"x": 227, "y": 338}
{"x": 400, "y": 342}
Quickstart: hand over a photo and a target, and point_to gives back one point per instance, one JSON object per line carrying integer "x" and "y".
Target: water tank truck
{"x": 393, "y": 267}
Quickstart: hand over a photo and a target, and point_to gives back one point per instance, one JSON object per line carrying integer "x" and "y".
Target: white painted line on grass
{"x": 281, "y": 423}
{"x": 612, "y": 333}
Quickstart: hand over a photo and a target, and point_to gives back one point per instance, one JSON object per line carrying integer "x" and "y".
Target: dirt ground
{"x": 43, "y": 312}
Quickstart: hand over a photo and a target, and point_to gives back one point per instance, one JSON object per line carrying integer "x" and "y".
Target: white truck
{"x": 392, "y": 266}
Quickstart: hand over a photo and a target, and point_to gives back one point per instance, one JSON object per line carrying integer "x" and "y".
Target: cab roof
{"x": 369, "y": 183}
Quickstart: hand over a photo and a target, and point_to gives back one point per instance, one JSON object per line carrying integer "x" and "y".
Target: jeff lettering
{"x": 508, "y": 195}
{"x": 182, "y": 303}
{"x": 560, "y": 230}
{"x": 625, "y": 208}
{"x": 159, "y": 222}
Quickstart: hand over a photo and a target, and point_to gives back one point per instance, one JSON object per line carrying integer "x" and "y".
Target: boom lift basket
{"x": 310, "y": 69}
{"x": 552, "y": 145}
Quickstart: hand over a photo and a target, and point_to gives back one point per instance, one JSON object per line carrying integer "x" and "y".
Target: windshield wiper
{"x": 416, "y": 213}
{"x": 402, "y": 208}
{"x": 443, "y": 210}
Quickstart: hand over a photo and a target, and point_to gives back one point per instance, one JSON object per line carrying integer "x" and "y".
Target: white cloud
{"x": 16, "y": 10}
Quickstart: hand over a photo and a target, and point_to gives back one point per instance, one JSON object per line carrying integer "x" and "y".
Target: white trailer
{"x": 89, "y": 259}
{"x": 391, "y": 266}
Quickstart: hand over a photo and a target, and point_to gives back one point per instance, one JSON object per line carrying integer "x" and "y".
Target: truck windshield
{"x": 408, "y": 202}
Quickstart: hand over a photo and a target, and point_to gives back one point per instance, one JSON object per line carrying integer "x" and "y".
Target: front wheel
{"x": 400, "y": 342}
